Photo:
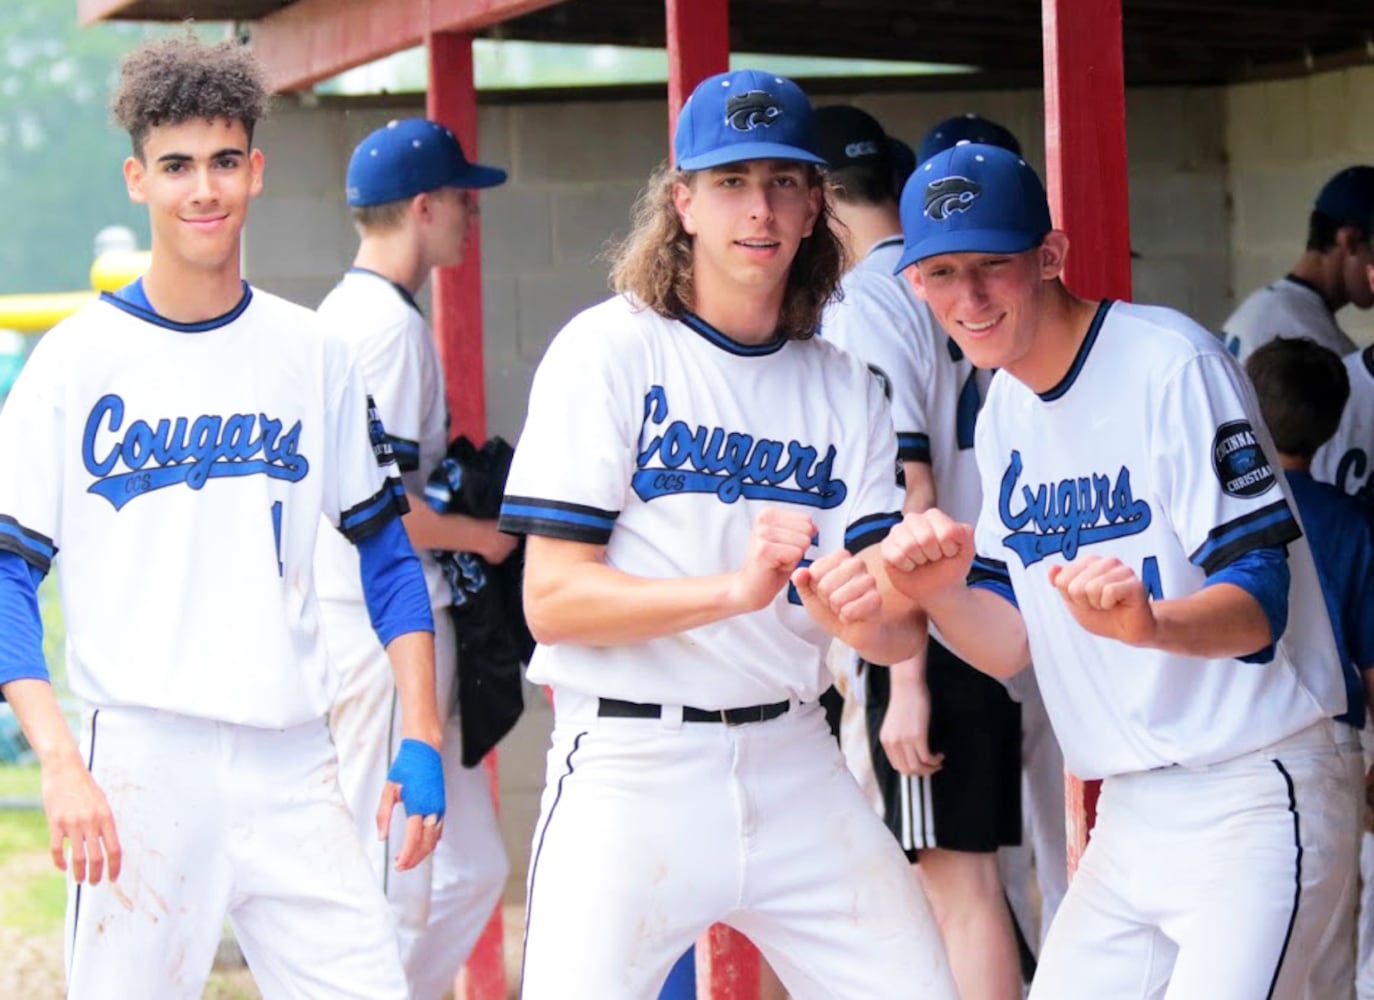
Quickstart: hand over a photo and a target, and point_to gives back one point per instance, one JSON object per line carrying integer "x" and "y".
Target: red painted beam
{"x": 89, "y": 12}
{"x": 456, "y": 301}
{"x": 1085, "y": 142}
{"x": 312, "y": 40}
{"x": 698, "y": 47}
{"x": 1085, "y": 153}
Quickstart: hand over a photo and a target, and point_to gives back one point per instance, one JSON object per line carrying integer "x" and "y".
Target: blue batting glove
{"x": 419, "y": 770}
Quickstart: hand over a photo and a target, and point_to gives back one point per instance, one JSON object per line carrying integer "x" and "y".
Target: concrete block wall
{"x": 1284, "y": 139}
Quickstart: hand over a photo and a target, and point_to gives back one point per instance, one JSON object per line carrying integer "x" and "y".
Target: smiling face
{"x": 196, "y": 177}
{"x": 747, "y": 221}
{"x": 991, "y": 303}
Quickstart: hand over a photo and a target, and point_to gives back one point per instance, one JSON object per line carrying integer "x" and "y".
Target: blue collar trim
{"x": 1081, "y": 357}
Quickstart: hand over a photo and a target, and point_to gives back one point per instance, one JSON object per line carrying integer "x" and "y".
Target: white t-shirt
{"x": 399, "y": 360}
{"x": 1150, "y": 450}
{"x": 182, "y": 470}
{"x": 1287, "y": 308}
{"x": 1347, "y": 460}
{"x": 663, "y": 440}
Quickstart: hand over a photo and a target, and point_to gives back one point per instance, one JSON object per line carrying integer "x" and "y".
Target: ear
{"x": 256, "y": 162}
{"x": 1349, "y": 238}
{"x": 134, "y": 173}
{"x": 914, "y": 278}
{"x": 1052, "y": 254}
{"x": 682, "y": 204}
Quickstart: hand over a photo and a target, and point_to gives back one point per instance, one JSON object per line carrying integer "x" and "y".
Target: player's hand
{"x": 416, "y": 780}
{"x": 776, "y": 545}
{"x": 927, "y": 552}
{"x": 1107, "y": 598}
{"x": 78, "y": 812}
{"x": 838, "y": 590}
{"x": 905, "y": 732}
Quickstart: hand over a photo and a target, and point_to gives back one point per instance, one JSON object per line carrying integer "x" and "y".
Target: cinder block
{"x": 587, "y": 219}
{"x": 500, "y": 318}
{"x": 303, "y": 152}
{"x": 547, "y": 301}
{"x": 1246, "y": 126}
{"x": 298, "y": 236}
{"x": 517, "y": 229}
{"x": 620, "y": 141}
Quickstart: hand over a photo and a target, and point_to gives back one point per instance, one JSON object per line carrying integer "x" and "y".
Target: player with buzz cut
{"x": 1136, "y": 543}
{"x": 690, "y": 447}
{"x": 944, "y": 738}
{"x": 1330, "y": 274}
{"x": 181, "y": 438}
{"x": 412, "y": 194}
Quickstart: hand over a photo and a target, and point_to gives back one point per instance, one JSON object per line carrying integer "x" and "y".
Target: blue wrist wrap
{"x": 419, "y": 770}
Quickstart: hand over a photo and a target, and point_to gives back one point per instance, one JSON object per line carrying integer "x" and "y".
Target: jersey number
{"x": 276, "y": 534}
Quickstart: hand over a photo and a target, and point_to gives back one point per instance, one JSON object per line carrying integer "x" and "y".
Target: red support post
{"x": 728, "y": 966}
{"x": 456, "y": 298}
{"x": 1085, "y": 153}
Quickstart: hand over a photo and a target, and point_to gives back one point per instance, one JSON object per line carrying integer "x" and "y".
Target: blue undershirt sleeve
{"x": 21, "y": 654}
{"x": 393, "y": 583}
{"x": 1263, "y": 574}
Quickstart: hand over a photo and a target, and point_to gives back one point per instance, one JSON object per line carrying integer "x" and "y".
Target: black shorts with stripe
{"x": 973, "y": 803}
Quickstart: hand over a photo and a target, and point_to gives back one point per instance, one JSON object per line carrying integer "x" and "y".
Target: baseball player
{"x": 945, "y": 738}
{"x": 412, "y": 195}
{"x": 1302, "y": 388}
{"x": 1347, "y": 459}
{"x": 689, "y": 447}
{"x": 1132, "y": 543}
{"x": 180, "y": 440}
{"x": 1329, "y": 274}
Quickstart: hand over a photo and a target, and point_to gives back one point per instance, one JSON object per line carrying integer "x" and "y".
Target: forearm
{"x": 44, "y": 726}
{"x": 982, "y": 628}
{"x": 428, "y": 529}
{"x": 596, "y": 605}
{"x": 412, "y": 662}
{"x": 1216, "y": 622}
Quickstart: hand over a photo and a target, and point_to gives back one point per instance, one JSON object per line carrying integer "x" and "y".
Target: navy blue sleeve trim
{"x": 869, "y": 530}
{"x": 35, "y": 549}
{"x": 1263, "y": 574}
{"x": 991, "y": 574}
{"x": 1271, "y": 525}
{"x": 394, "y": 583}
{"x": 21, "y": 654}
{"x": 913, "y": 447}
{"x": 574, "y": 522}
{"x": 367, "y": 518}
{"x": 407, "y": 453}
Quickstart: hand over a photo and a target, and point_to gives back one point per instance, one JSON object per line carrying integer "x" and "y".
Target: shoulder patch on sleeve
{"x": 381, "y": 440}
{"x": 1239, "y": 462}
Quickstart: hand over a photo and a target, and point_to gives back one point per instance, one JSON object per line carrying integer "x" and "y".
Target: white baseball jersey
{"x": 934, "y": 390}
{"x": 663, "y": 440}
{"x": 1289, "y": 307}
{"x": 399, "y": 360}
{"x": 1149, "y": 450}
{"x": 182, "y": 470}
{"x": 1347, "y": 460}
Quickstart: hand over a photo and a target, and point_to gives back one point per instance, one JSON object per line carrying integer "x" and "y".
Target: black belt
{"x": 614, "y": 708}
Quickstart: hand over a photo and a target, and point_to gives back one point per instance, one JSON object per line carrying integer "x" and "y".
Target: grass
{"x": 19, "y": 781}
{"x": 33, "y": 893}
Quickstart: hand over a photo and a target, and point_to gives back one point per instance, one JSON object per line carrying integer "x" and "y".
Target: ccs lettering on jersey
{"x": 1067, "y": 515}
{"x": 129, "y": 461}
{"x": 680, "y": 458}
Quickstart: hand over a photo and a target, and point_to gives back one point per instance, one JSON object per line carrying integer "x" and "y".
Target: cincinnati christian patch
{"x": 1239, "y": 461}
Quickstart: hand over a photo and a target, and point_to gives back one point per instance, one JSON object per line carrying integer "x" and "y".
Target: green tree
{"x": 59, "y": 152}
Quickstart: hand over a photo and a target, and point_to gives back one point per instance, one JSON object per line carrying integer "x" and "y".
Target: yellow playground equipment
{"x": 35, "y": 313}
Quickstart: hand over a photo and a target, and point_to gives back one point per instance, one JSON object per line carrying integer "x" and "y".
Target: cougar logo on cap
{"x": 755, "y": 107}
{"x": 948, "y": 195}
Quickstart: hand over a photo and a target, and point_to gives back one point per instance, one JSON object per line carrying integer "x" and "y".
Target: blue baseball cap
{"x": 407, "y": 157}
{"x": 968, "y": 127}
{"x": 972, "y": 198}
{"x": 1348, "y": 198}
{"x": 747, "y": 114}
